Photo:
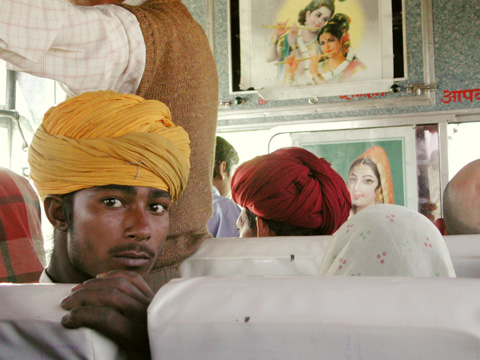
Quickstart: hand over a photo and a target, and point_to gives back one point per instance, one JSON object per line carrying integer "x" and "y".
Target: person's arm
{"x": 273, "y": 51}
{"x": 317, "y": 78}
{"x": 293, "y": 40}
{"x": 116, "y": 305}
{"x": 86, "y": 48}
{"x": 291, "y": 68}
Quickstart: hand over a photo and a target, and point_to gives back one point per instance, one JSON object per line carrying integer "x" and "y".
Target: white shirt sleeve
{"x": 85, "y": 48}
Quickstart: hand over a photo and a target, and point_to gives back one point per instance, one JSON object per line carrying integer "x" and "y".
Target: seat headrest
{"x": 30, "y": 326}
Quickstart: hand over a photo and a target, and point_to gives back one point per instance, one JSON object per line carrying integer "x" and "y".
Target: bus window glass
{"x": 428, "y": 170}
{"x": 463, "y": 145}
{"x": 3, "y": 82}
{"x": 248, "y": 144}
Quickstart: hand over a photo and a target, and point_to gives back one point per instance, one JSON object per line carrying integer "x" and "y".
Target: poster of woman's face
{"x": 292, "y": 43}
{"x": 364, "y": 184}
{"x": 370, "y": 179}
{"x": 373, "y": 170}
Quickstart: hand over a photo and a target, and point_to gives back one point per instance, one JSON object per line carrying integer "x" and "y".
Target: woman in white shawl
{"x": 387, "y": 240}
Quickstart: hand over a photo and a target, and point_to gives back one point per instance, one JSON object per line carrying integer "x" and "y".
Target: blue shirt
{"x": 224, "y": 216}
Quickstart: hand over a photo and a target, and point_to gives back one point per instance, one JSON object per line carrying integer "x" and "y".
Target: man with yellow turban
{"x": 292, "y": 192}
{"x": 108, "y": 167}
{"x": 154, "y": 49}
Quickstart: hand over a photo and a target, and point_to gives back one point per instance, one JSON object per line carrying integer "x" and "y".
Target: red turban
{"x": 294, "y": 187}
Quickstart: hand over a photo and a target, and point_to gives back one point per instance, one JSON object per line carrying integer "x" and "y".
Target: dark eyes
{"x": 112, "y": 202}
{"x": 155, "y": 208}
{"x": 331, "y": 40}
{"x": 322, "y": 17}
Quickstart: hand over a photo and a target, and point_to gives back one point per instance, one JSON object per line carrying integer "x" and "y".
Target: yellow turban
{"x": 103, "y": 138}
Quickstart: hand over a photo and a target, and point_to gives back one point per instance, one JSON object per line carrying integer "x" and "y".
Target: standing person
{"x": 138, "y": 47}
{"x": 21, "y": 241}
{"x": 370, "y": 180}
{"x": 292, "y": 192}
{"x": 108, "y": 167}
{"x": 301, "y": 42}
{"x": 225, "y": 211}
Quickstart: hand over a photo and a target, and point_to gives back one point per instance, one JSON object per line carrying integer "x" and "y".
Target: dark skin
{"x": 114, "y": 304}
{"x": 110, "y": 246}
{"x": 222, "y": 180}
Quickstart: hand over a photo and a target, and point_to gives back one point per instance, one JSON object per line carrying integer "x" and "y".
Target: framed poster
{"x": 391, "y": 150}
{"x": 292, "y": 49}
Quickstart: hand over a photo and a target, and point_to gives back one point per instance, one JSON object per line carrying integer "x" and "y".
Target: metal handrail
{"x": 15, "y": 116}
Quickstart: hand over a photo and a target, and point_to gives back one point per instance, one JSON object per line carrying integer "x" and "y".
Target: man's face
{"x": 117, "y": 228}
{"x": 318, "y": 18}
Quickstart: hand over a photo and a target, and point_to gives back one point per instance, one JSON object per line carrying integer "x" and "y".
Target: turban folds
{"x": 295, "y": 187}
{"x": 102, "y": 138}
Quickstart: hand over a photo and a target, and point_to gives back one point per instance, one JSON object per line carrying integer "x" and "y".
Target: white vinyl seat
{"x": 280, "y": 255}
{"x": 316, "y": 318}
{"x": 465, "y": 253}
{"x": 292, "y": 255}
{"x": 30, "y": 327}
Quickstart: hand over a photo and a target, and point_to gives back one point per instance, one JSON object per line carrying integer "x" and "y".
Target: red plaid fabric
{"x": 20, "y": 230}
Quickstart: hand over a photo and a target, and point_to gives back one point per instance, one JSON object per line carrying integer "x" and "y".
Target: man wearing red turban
{"x": 292, "y": 192}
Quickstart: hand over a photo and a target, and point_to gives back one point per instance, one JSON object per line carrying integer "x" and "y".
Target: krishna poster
{"x": 292, "y": 49}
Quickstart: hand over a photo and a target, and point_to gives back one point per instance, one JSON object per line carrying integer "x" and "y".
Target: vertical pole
{"x": 10, "y": 102}
{"x": 210, "y": 23}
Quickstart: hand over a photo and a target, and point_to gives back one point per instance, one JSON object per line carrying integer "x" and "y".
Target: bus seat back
{"x": 316, "y": 318}
{"x": 280, "y": 255}
{"x": 30, "y": 326}
{"x": 296, "y": 255}
{"x": 465, "y": 253}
